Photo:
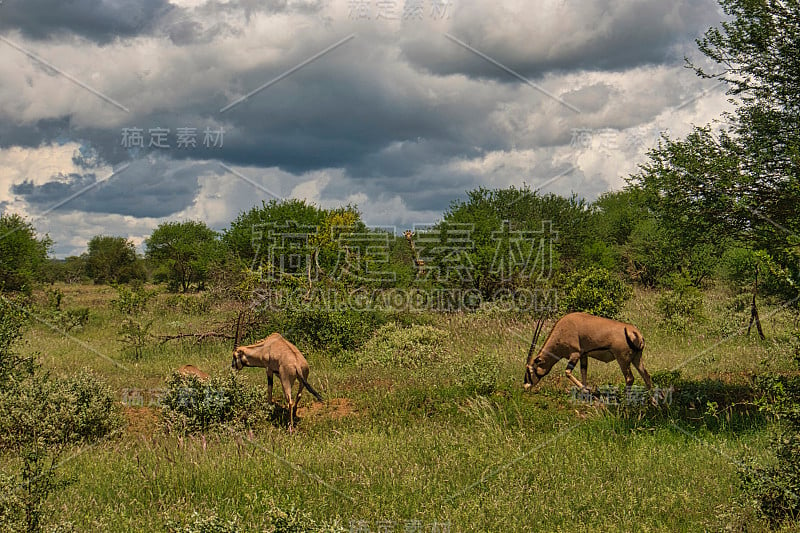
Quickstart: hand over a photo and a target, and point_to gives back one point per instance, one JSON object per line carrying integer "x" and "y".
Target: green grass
{"x": 413, "y": 444}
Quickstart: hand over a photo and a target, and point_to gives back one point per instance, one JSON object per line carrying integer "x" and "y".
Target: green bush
{"x": 51, "y": 412}
{"x": 210, "y": 523}
{"x": 298, "y": 521}
{"x": 64, "y": 319}
{"x": 39, "y": 416}
{"x": 680, "y": 304}
{"x": 776, "y": 487}
{"x": 73, "y": 318}
{"x": 190, "y": 405}
{"x": 739, "y": 266}
{"x": 276, "y": 520}
{"x": 480, "y": 375}
{"x": 594, "y": 290}
{"x": 189, "y": 304}
{"x": 408, "y": 347}
{"x": 332, "y": 330}
{"x": 12, "y": 365}
{"x": 131, "y": 301}
{"x": 23, "y": 497}
{"x": 135, "y": 335}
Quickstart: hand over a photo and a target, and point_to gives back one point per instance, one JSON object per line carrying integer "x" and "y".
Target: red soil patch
{"x": 334, "y": 408}
{"x": 142, "y": 420}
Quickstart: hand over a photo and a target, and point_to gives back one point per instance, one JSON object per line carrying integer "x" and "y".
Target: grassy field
{"x": 413, "y": 447}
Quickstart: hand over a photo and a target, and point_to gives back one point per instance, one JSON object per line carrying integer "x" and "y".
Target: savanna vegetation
{"x": 418, "y": 342}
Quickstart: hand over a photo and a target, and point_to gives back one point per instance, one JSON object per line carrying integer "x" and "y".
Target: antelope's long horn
{"x": 238, "y": 325}
{"x": 536, "y": 333}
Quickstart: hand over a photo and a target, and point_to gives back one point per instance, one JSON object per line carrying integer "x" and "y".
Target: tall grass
{"x": 417, "y": 444}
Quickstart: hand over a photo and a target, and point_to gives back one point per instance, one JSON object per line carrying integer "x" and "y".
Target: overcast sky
{"x": 116, "y": 115}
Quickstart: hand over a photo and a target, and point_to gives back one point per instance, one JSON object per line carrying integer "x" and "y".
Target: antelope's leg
{"x": 297, "y": 398}
{"x": 584, "y": 368}
{"x": 573, "y": 360}
{"x": 286, "y": 383}
{"x": 625, "y": 366}
{"x": 637, "y": 362}
{"x": 269, "y": 385}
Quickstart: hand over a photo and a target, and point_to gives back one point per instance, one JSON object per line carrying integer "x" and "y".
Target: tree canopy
{"x": 182, "y": 253}
{"x": 22, "y": 253}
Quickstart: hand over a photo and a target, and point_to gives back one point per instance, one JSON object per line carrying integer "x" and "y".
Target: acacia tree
{"x": 113, "y": 260}
{"x": 182, "y": 253}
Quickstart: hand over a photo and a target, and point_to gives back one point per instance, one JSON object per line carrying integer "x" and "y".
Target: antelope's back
{"x": 278, "y": 344}
{"x": 592, "y": 330}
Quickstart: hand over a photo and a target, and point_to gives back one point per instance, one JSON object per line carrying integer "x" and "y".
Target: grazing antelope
{"x": 191, "y": 370}
{"x": 276, "y": 354}
{"x": 578, "y": 336}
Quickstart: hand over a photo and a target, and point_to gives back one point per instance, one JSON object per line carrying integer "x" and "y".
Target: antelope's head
{"x": 535, "y": 370}
{"x": 239, "y": 359}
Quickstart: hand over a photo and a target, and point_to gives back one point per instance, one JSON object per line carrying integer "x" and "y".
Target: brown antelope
{"x": 276, "y": 354}
{"x": 578, "y": 336}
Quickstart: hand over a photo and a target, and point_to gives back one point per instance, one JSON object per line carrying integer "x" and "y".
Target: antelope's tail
{"x": 309, "y": 387}
{"x": 636, "y": 343}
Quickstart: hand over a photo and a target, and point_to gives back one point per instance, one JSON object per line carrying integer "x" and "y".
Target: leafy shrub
{"x": 681, "y": 304}
{"x": 298, "y": 521}
{"x": 64, "y": 319}
{"x": 189, "y": 304}
{"x": 775, "y": 487}
{"x": 73, "y": 318}
{"x": 480, "y": 375}
{"x": 210, "y": 523}
{"x": 12, "y": 365}
{"x": 333, "y": 330}
{"x": 738, "y": 268}
{"x": 191, "y": 405}
{"x": 23, "y": 497}
{"x": 276, "y": 520}
{"x": 131, "y": 301}
{"x": 54, "y": 298}
{"x": 411, "y": 347}
{"x": 40, "y": 415}
{"x": 596, "y": 291}
{"x": 56, "y": 411}
{"x": 133, "y": 330}
{"x": 135, "y": 335}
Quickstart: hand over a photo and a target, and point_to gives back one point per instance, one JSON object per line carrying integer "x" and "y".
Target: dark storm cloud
{"x": 392, "y": 113}
{"x": 148, "y": 188}
{"x": 607, "y": 35}
{"x": 98, "y": 20}
{"x": 103, "y": 21}
{"x": 353, "y": 110}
